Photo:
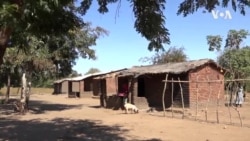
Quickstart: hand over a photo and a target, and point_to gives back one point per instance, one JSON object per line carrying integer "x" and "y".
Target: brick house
{"x": 146, "y": 83}
{"x": 61, "y": 86}
{"x": 81, "y": 86}
{"x": 107, "y": 86}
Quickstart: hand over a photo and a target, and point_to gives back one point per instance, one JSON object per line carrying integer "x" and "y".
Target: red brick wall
{"x": 205, "y": 73}
{"x": 64, "y": 86}
{"x": 81, "y": 87}
{"x": 75, "y": 86}
{"x": 112, "y": 85}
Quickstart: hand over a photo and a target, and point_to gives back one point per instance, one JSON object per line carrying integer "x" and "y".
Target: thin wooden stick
{"x": 210, "y": 91}
{"x": 182, "y": 99}
{"x": 163, "y": 95}
{"x": 197, "y": 96}
{"x": 172, "y": 98}
{"x": 218, "y": 102}
{"x": 228, "y": 105}
{"x": 239, "y": 116}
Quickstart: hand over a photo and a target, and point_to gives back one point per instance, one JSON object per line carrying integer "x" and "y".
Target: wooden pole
{"x": 228, "y": 105}
{"x": 239, "y": 116}
{"x": 163, "y": 95}
{"x": 197, "y": 98}
{"x": 182, "y": 99}
{"x": 218, "y": 104}
{"x": 208, "y": 99}
{"x": 172, "y": 98}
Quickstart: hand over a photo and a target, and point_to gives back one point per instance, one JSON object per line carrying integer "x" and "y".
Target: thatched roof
{"x": 173, "y": 68}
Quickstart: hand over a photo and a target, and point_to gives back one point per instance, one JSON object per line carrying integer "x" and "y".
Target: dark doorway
{"x": 141, "y": 87}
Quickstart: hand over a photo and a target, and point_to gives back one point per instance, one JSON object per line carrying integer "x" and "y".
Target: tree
{"x": 232, "y": 52}
{"x": 233, "y": 58}
{"x": 190, "y": 6}
{"x": 18, "y": 16}
{"x": 237, "y": 60}
{"x": 10, "y": 70}
{"x": 214, "y": 42}
{"x": 173, "y": 54}
{"x": 76, "y": 43}
{"x": 26, "y": 17}
{"x": 150, "y": 19}
{"x": 233, "y": 42}
{"x": 92, "y": 70}
{"x": 235, "y": 38}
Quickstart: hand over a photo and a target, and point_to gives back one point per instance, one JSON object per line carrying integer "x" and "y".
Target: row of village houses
{"x": 146, "y": 84}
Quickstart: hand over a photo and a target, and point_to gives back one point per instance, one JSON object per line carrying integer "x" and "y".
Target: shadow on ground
{"x": 57, "y": 129}
{"x": 37, "y": 107}
{"x": 60, "y": 129}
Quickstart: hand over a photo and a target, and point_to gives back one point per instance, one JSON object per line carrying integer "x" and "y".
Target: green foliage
{"x": 190, "y": 6}
{"x": 237, "y": 60}
{"x": 214, "y": 42}
{"x": 233, "y": 58}
{"x": 92, "y": 70}
{"x": 27, "y": 17}
{"x": 150, "y": 20}
{"x": 64, "y": 50}
{"x": 173, "y": 54}
{"x": 235, "y": 38}
{"x": 247, "y": 85}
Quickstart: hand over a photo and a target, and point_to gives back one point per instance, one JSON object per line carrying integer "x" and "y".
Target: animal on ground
{"x": 130, "y": 107}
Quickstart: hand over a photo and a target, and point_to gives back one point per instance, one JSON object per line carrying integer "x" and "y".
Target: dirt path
{"x": 56, "y": 117}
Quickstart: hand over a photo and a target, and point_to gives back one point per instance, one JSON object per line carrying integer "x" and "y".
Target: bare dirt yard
{"x": 56, "y": 117}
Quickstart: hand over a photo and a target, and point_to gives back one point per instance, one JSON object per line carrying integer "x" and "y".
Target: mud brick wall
{"x": 201, "y": 90}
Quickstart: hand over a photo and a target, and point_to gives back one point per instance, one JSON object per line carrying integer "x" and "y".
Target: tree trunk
{"x": 2, "y": 51}
{"x": 7, "y": 96}
{"x": 24, "y": 87}
{"x": 4, "y": 38}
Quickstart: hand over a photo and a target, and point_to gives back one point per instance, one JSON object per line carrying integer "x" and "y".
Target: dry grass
{"x": 15, "y": 91}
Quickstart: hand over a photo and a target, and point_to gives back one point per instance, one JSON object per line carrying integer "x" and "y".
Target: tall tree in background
{"x": 65, "y": 49}
{"x": 28, "y": 16}
{"x": 52, "y": 56}
{"x": 214, "y": 42}
{"x": 234, "y": 58}
{"x": 235, "y": 38}
{"x": 173, "y": 54}
{"x": 10, "y": 69}
{"x": 231, "y": 52}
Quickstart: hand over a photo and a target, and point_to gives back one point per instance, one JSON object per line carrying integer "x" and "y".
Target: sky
{"x": 124, "y": 47}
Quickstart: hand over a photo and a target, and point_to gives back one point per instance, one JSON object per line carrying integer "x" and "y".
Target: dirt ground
{"x": 56, "y": 117}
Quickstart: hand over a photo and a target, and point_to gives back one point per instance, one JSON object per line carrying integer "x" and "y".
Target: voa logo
{"x": 221, "y": 14}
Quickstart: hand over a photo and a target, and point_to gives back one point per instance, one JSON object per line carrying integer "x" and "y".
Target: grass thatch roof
{"x": 173, "y": 68}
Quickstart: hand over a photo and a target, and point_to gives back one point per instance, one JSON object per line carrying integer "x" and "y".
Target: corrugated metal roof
{"x": 174, "y": 68}
{"x": 85, "y": 76}
{"x": 61, "y": 80}
{"x": 78, "y": 78}
{"x": 110, "y": 74}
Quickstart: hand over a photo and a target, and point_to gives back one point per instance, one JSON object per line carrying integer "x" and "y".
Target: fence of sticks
{"x": 219, "y": 110}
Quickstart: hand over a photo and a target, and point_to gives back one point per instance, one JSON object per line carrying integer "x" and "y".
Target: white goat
{"x": 130, "y": 107}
